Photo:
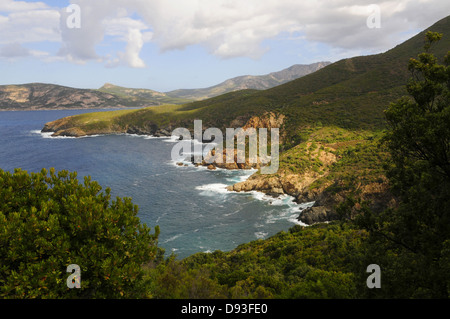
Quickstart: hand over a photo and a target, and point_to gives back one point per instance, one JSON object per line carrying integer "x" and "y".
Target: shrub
{"x": 50, "y": 221}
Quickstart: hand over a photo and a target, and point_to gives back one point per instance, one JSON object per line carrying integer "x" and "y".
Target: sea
{"x": 191, "y": 205}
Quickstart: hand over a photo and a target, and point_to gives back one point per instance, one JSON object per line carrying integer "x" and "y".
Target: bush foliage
{"x": 49, "y": 221}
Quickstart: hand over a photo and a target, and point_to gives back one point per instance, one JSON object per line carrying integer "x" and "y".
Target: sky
{"x": 166, "y": 45}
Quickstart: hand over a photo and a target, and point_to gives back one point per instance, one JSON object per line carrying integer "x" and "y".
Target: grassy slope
{"x": 142, "y": 95}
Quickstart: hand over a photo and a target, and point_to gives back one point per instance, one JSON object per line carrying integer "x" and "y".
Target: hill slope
{"x": 261, "y": 82}
{"x": 48, "y": 96}
{"x": 35, "y": 96}
{"x": 142, "y": 96}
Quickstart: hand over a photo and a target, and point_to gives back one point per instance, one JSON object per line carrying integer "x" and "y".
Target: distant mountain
{"x": 142, "y": 96}
{"x": 34, "y": 96}
{"x": 261, "y": 82}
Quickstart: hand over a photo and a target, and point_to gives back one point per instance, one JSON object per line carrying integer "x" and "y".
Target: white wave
{"x": 49, "y": 135}
{"x": 151, "y": 137}
{"x": 261, "y": 235}
{"x": 212, "y": 189}
{"x": 172, "y": 139}
{"x": 172, "y": 238}
{"x": 291, "y": 213}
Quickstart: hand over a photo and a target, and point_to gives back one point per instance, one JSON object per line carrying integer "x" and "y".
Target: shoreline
{"x": 257, "y": 194}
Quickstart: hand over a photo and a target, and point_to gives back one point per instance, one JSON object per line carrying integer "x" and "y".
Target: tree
{"x": 51, "y": 221}
{"x": 411, "y": 242}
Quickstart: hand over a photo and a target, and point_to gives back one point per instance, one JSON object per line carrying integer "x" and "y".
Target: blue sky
{"x": 171, "y": 44}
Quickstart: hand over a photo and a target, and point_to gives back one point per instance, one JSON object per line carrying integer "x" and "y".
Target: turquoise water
{"x": 191, "y": 205}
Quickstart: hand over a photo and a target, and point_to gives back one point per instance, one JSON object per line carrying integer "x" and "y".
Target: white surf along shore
{"x": 291, "y": 211}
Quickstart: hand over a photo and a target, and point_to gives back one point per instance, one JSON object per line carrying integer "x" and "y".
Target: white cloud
{"x": 135, "y": 43}
{"x": 13, "y": 50}
{"x": 227, "y": 28}
{"x": 231, "y": 28}
{"x": 99, "y": 19}
{"x": 11, "y": 6}
{"x": 30, "y": 26}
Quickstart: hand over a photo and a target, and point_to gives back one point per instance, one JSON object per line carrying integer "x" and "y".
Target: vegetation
{"x": 49, "y": 221}
{"x": 141, "y": 96}
{"x": 411, "y": 243}
{"x": 306, "y": 262}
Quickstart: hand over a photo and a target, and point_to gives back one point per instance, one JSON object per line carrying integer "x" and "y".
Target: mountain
{"x": 35, "y": 96}
{"x": 260, "y": 82}
{"x": 48, "y": 96}
{"x": 142, "y": 96}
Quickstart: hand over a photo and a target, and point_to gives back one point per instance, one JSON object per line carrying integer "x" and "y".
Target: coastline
{"x": 258, "y": 194}
{"x": 299, "y": 185}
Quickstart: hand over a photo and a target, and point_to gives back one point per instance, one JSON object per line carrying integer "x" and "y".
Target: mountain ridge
{"x": 255, "y": 82}
{"x": 35, "y": 96}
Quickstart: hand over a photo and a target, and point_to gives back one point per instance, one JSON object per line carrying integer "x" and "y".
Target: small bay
{"x": 191, "y": 205}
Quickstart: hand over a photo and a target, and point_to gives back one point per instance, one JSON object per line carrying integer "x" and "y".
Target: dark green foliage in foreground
{"x": 50, "y": 221}
{"x": 412, "y": 243}
{"x": 306, "y": 262}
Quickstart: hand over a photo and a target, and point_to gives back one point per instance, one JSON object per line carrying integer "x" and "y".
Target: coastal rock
{"x": 212, "y": 159}
{"x": 270, "y": 185}
{"x": 317, "y": 214}
{"x": 71, "y": 132}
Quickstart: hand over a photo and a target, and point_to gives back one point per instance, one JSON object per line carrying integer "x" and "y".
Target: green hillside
{"x": 258, "y": 82}
{"x": 141, "y": 96}
{"x": 351, "y": 93}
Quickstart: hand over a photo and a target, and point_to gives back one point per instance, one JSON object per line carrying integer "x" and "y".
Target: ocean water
{"x": 191, "y": 205}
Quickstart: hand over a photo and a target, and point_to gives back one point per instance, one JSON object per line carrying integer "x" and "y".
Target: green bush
{"x": 50, "y": 221}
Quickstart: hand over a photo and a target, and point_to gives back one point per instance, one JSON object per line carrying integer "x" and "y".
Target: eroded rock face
{"x": 70, "y": 132}
{"x": 270, "y": 185}
{"x": 268, "y": 120}
{"x": 317, "y": 214}
{"x": 376, "y": 195}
